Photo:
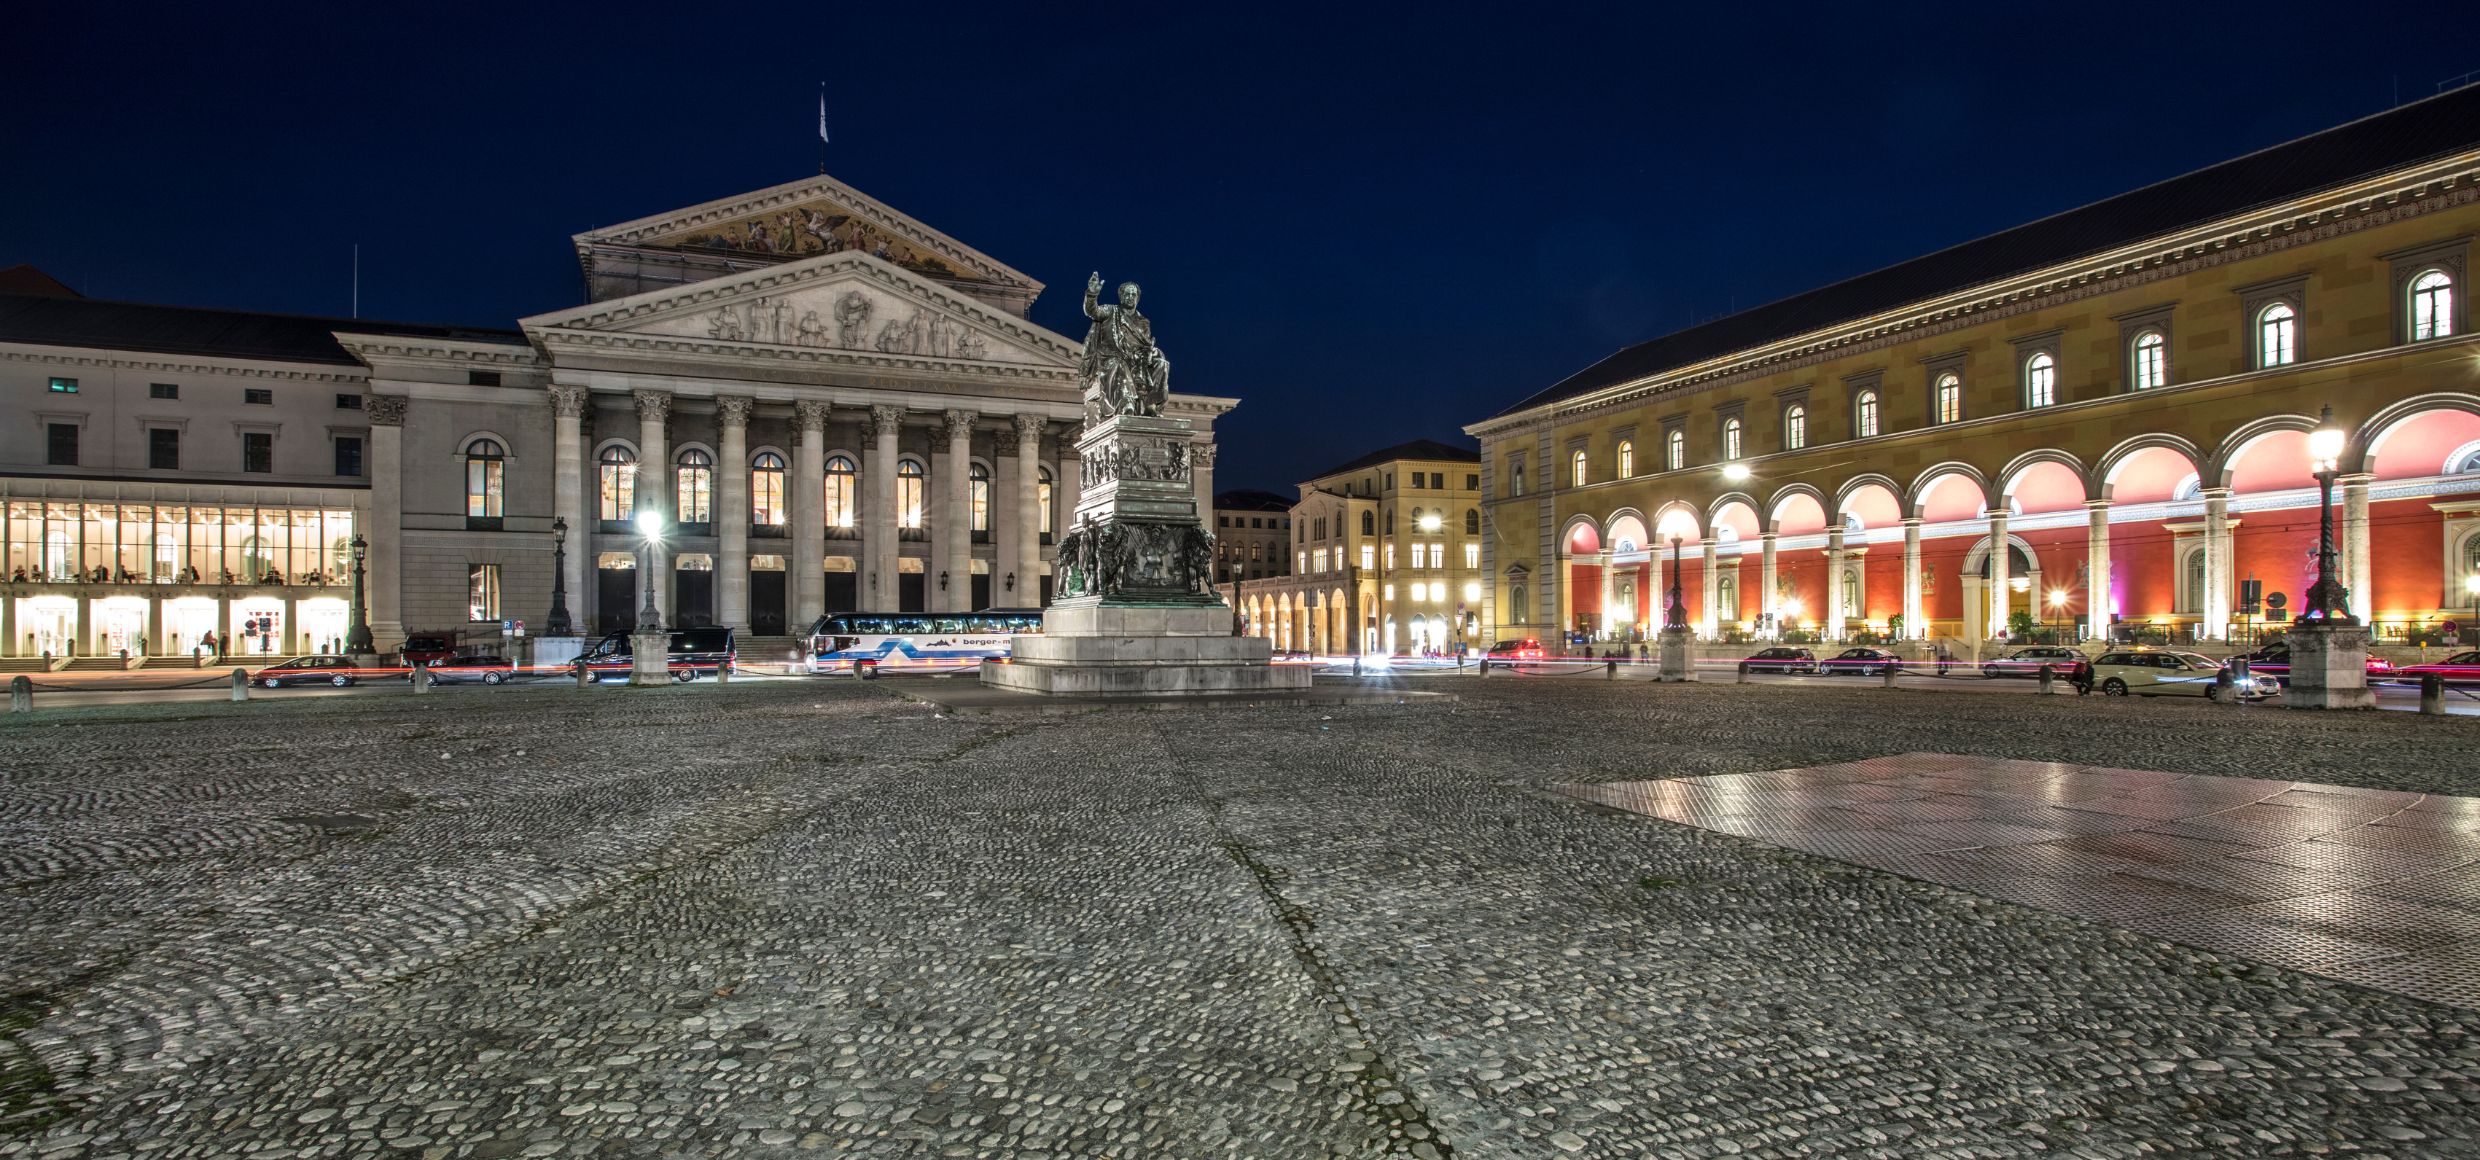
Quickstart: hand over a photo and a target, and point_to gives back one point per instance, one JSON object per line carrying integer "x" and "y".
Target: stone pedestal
{"x": 2329, "y": 667}
{"x": 650, "y": 655}
{"x": 1091, "y": 648}
{"x": 557, "y": 653}
{"x": 1678, "y": 656}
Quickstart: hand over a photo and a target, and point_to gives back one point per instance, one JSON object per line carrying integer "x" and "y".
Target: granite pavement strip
{"x": 818, "y": 919}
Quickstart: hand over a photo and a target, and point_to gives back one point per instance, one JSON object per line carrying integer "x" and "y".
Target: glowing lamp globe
{"x": 2325, "y": 447}
{"x": 1735, "y": 472}
{"x": 650, "y": 524}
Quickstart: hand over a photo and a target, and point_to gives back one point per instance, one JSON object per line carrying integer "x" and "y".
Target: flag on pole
{"x": 822, "y": 112}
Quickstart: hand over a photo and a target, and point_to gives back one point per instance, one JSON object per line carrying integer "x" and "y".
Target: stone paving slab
{"x": 959, "y": 695}
{"x": 2369, "y": 885}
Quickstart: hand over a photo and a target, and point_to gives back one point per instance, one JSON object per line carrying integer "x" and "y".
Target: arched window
{"x": 1369, "y": 523}
{"x": 2040, "y": 380}
{"x": 766, "y": 490}
{"x": 978, "y": 484}
{"x": 1517, "y": 605}
{"x": 618, "y": 467}
{"x": 1472, "y": 521}
{"x": 1675, "y": 451}
{"x": 1730, "y": 438}
{"x": 2467, "y": 465}
{"x": 2277, "y": 336}
{"x": 2432, "y": 306}
{"x": 694, "y": 485}
{"x": 1726, "y": 598}
{"x": 1576, "y": 473}
{"x": 911, "y": 483}
{"x": 1851, "y": 592}
{"x": 1949, "y": 400}
{"x": 1795, "y": 427}
{"x": 2192, "y": 600}
{"x": 1042, "y": 500}
{"x": 1864, "y": 415}
{"x": 842, "y": 475}
{"x": 1627, "y": 458}
{"x": 486, "y": 464}
{"x": 1516, "y": 478}
{"x": 2151, "y": 360}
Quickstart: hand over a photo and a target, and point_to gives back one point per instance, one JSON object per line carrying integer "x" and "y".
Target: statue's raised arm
{"x": 1093, "y": 293}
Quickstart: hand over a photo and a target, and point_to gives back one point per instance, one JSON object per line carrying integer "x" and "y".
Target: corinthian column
{"x": 1201, "y": 465}
{"x": 1767, "y": 600}
{"x": 952, "y": 531}
{"x": 732, "y": 521}
{"x": 654, "y": 487}
{"x": 2000, "y": 560}
{"x": 1068, "y": 482}
{"x": 568, "y": 483}
{"x": 2216, "y": 602}
{"x": 1915, "y": 622}
{"x": 1707, "y": 596}
{"x": 808, "y": 515}
{"x": 384, "y": 590}
{"x": 879, "y": 545}
{"x": 1028, "y": 562}
{"x": 2097, "y": 569}
{"x": 1835, "y": 612}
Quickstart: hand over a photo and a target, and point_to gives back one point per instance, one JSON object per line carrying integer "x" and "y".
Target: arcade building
{"x": 2097, "y": 422}
{"x": 825, "y": 405}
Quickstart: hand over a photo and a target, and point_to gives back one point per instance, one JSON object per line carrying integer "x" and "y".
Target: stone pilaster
{"x": 1201, "y": 462}
{"x": 1709, "y": 596}
{"x": 568, "y": 491}
{"x": 2358, "y": 571}
{"x": 732, "y": 512}
{"x": 2001, "y": 561}
{"x": 1835, "y": 612}
{"x": 2216, "y": 596}
{"x": 951, "y": 528}
{"x": 1768, "y": 601}
{"x": 808, "y": 515}
{"x": 1915, "y": 618}
{"x": 382, "y": 575}
{"x": 1028, "y": 560}
{"x": 2097, "y": 569}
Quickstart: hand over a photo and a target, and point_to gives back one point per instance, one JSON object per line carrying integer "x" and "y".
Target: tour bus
{"x": 866, "y": 643}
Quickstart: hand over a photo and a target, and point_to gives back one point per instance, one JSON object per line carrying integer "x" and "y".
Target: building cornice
{"x": 167, "y": 364}
{"x": 2384, "y": 200}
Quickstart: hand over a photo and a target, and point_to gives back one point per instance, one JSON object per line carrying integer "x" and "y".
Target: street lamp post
{"x": 2329, "y": 648}
{"x": 650, "y": 526}
{"x": 650, "y": 647}
{"x": 357, "y": 639}
{"x": 557, "y": 624}
{"x": 1678, "y": 659}
{"x": 1675, "y": 605}
{"x": 2058, "y": 613}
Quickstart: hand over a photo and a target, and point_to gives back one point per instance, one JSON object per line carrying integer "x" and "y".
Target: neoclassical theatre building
{"x": 831, "y": 406}
{"x": 2098, "y": 419}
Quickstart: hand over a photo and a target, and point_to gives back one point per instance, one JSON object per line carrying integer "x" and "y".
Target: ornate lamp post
{"x": 557, "y": 624}
{"x": 357, "y": 638}
{"x": 650, "y": 526}
{"x": 2329, "y": 649}
{"x": 2327, "y": 599}
{"x": 1675, "y": 605}
{"x": 1677, "y": 661}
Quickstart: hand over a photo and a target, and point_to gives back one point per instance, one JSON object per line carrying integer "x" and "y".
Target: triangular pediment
{"x": 832, "y": 307}
{"x": 812, "y": 217}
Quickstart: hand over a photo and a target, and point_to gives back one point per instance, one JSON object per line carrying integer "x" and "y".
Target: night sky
{"x": 1370, "y": 228}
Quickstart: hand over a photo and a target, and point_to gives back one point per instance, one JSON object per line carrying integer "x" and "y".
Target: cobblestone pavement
{"x": 820, "y": 919}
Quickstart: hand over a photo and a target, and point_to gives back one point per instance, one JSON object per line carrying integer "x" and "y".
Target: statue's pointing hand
{"x": 1093, "y": 285}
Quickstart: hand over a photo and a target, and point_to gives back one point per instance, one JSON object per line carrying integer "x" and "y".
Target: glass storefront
{"x": 101, "y": 543}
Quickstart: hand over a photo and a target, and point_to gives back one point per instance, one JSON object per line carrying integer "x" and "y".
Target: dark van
{"x": 695, "y": 652}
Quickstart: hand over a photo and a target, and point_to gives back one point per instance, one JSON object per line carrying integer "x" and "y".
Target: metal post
{"x": 1893, "y": 671}
{"x": 241, "y": 684}
{"x": 21, "y": 695}
{"x": 357, "y": 640}
{"x": 2432, "y": 694}
{"x": 1743, "y": 672}
{"x": 2048, "y": 676}
{"x": 557, "y": 623}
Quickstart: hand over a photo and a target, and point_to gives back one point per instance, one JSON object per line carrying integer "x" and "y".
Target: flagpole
{"x": 822, "y": 128}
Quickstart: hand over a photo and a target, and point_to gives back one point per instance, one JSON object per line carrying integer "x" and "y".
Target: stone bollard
{"x": 241, "y": 684}
{"x": 1892, "y": 671}
{"x": 421, "y": 678}
{"x": 2432, "y": 694}
{"x": 2049, "y": 679}
{"x": 1743, "y": 672}
{"x": 585, "y": 676}
{"x": 723, "y": 672}
{"x": 21, "y": 695}
{"x": 1611, "y": 669}
{"x": 1485, "y": 666}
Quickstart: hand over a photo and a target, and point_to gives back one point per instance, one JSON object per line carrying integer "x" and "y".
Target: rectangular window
{"x": 163, "y": 448}
{"x": 163, "y": 390}
{"x": 481, "y": 592}
{"x": 62, "y": 444}
{"x": 482, "y": 378}
{"x": 258, "y": 395}
{"x": 1369, "y": 556}
{"x": 1390, "y": 557}
{"x": 349, "y": 456}
{"x": 348, "y": 402}
{"x": 1472, "y": 481}
{"x": 1472, "y": 555}
{"x": 1420, "y": 555}
{"x": 258, "y": 452}
{"x": 64, "y": 386}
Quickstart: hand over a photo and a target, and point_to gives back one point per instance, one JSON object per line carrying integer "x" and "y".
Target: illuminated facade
{"x": 2118, "y": 395}
{"x": 829, "y": 405}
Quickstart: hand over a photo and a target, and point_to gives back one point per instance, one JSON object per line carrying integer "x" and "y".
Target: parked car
{"x": 614, "y": 657}
{"x": 2274, "y": 660}
{"x": 489, "y": 670}
{"x": 1783, "y": 659}
{"x": 1527, "y": 649}
{"x": 423, "y": 648}
{"x": 2462, "y": 668}
{"x": 1865, "y": 662}
{"x": 2151, "y": 673}
{"x": 316, "y": 670}
{"x": 2027, "y": 662}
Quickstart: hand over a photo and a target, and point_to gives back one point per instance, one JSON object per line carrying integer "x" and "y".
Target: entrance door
{"x": 981, "y": 592}
{"x": 615, "y": 599}
{"x": 766, "y": 604}
{"x": 910, "y": 591}
{"x": 693, "y": 594}
{"x": 844, "y": 593}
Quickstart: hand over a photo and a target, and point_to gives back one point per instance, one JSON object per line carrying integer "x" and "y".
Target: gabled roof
{"x": 2425, "y": 130}
{"x": 1417, "y": 449}
{"x": 1249, "y": 499}
{"x": 25, "y": 279}
{"x": 86, "y": 322}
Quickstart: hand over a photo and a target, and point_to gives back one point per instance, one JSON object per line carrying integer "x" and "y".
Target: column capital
{"x": 1201, "y": 455}
{"x": 1008, "y": 439}
{"x": 2356, "y": 479}
{"x": 1912, "y": 523}
{"x": 955, "y": 425}
{"x": 2097, "y": 505}
{"x": 886, "y": 419}
{"x": 653, "y": 406}
{"x": 567, "y": 402}
{"x": 1029, "y": 427}
{"x": 2214, "y": 494}
{"x": 384, "y": 410}
{"x": 733, "y": 410}
{"x": 1997, "y": 515}
{"x": 810, "y": 415}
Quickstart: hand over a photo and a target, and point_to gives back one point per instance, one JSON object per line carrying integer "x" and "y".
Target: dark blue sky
{"x": 1370, "y": 225}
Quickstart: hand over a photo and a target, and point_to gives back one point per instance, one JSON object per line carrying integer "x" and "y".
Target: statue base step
{"x": 1089, "y": 647}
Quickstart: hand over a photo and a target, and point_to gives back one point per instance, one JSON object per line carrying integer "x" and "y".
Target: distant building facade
{"x": 1253, "y": 535}
{"x": 1386, "y": 557}
{"x": 828, "y": 405}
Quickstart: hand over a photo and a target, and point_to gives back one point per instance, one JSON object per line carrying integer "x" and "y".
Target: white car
{"x": 2156, "y": 673}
